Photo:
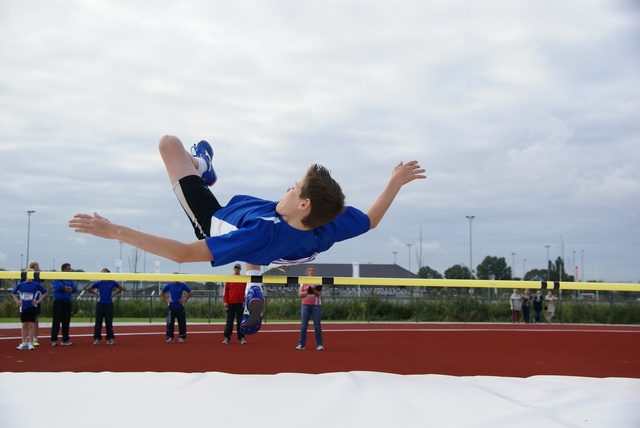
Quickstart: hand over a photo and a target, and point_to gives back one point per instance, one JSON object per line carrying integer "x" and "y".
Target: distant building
{"x": 345, "y": 271}
{"x": 369, "y": 270}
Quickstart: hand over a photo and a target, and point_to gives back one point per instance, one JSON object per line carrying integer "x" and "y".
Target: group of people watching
{"x": 525, "y": 301}
{"x": 30, "y": 293}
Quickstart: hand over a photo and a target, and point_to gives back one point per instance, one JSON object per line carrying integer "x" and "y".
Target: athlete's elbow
{"x": 373, "y": 222}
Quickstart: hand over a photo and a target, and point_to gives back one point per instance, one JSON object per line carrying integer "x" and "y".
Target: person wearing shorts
{"x": 28, "y": 295}
{"x": 309, "y": 219}
{"x": 35, "y": 266}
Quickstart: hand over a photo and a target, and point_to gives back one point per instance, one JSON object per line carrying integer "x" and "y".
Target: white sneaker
{"x": 54, "y": 343}
{"x": 67, "y": 343}
{"x": 299, "y": 348}
{"x": 181, "y": 340}
{"x": 22, "y": 347}
{"x": 30, "y": 346}
{"x": 96, "y": 342}
{"x": 320, "y": 348}
{"x": 226, "y": 342}
{"x": 111, "y": 342}
{"x": 243, "y": 341}
{"x": 169, "y": 340}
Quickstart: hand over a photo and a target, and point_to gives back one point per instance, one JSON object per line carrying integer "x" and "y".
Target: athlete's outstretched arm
{"x": 171, "y": 249}
{"x": 402, "y": 174}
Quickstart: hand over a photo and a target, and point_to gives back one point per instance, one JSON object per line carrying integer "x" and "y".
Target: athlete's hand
{"x": 94, "y": 225}
{"x": 407, "y": 172}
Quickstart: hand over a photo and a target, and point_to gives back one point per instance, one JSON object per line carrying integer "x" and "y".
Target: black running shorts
{"x": 198, "y": 202}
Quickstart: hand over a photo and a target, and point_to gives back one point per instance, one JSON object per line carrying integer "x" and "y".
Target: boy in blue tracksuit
{"x": 104, "y": 307}
{"x": 309, "y": 219}
{"x": 28, "y": 296}
{"x": 175, "y": 310}
{"x": 62, "y": 294}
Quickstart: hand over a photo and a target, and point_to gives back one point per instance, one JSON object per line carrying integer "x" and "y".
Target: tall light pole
{"x": 395, "y": 253}
{"x": 524, "y": 268}
{"x": 470, "y": 217}
{"x": 409, "y": 245}
{"x": 582, "y": 265}
{"x": 548, "y": 263}
{"x": 29, "y": 233}
{"x": 513, "y": 265}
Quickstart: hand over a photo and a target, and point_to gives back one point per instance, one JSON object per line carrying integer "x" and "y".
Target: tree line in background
{"x": 496, "y": 268}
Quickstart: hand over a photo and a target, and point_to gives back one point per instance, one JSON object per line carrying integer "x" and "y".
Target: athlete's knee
{"x": 168, "y": 143}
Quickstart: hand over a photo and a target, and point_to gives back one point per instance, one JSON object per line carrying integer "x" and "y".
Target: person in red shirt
{"x": 233, "y": 299}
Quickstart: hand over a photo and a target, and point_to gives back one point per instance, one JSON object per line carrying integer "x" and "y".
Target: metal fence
{"x": 364, "y": 304}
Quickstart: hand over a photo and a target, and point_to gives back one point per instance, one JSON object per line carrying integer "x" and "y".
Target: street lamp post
{"x": 409, "y": 245}
{"x": 524, "y": 268}
{"x": 29, "y": 232}
{"x": 394, "y": 256}
{"x": 470, "y": 217}
{"x": 548, "y": 264}
{"x": 513, "y": 265}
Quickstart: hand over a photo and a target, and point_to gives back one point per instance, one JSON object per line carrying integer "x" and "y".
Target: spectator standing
{"x": 311, "y": 308}
{"x": 28, "y": 295}
{"x": 175, "y": 310}
{"x": 62, "y": 294}
{"x": 550, "y": 305}
{"x": 526, "y": 305}
{"x": 233, "y": 298}
{"x": 538, "y": 301}
{"x": 35, "y": 267}
{"x": 104, "y": 307}
{"x": 515, "y": 302}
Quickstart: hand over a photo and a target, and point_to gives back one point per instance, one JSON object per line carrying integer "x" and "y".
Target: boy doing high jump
{"x": 309, "y": 219}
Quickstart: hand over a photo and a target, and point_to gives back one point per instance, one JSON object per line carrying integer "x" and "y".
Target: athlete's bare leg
{"x": 177, "y": 160}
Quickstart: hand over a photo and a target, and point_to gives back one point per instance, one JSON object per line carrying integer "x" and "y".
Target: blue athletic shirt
{"x": 105, "y": 289}
{"x": 58, "y": 289}
{"x": 28, "y": 292}
{"x": 248, "y": 229}
{"x": 175, "y": 291}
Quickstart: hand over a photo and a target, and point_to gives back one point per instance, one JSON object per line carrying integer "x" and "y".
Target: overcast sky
{"x": 525, "y": 115}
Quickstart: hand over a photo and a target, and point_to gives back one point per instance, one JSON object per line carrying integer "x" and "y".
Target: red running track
{"x": 521, "y": 350}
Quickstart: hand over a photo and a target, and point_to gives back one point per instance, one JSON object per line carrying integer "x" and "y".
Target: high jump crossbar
{"x": 324, "y": 280}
